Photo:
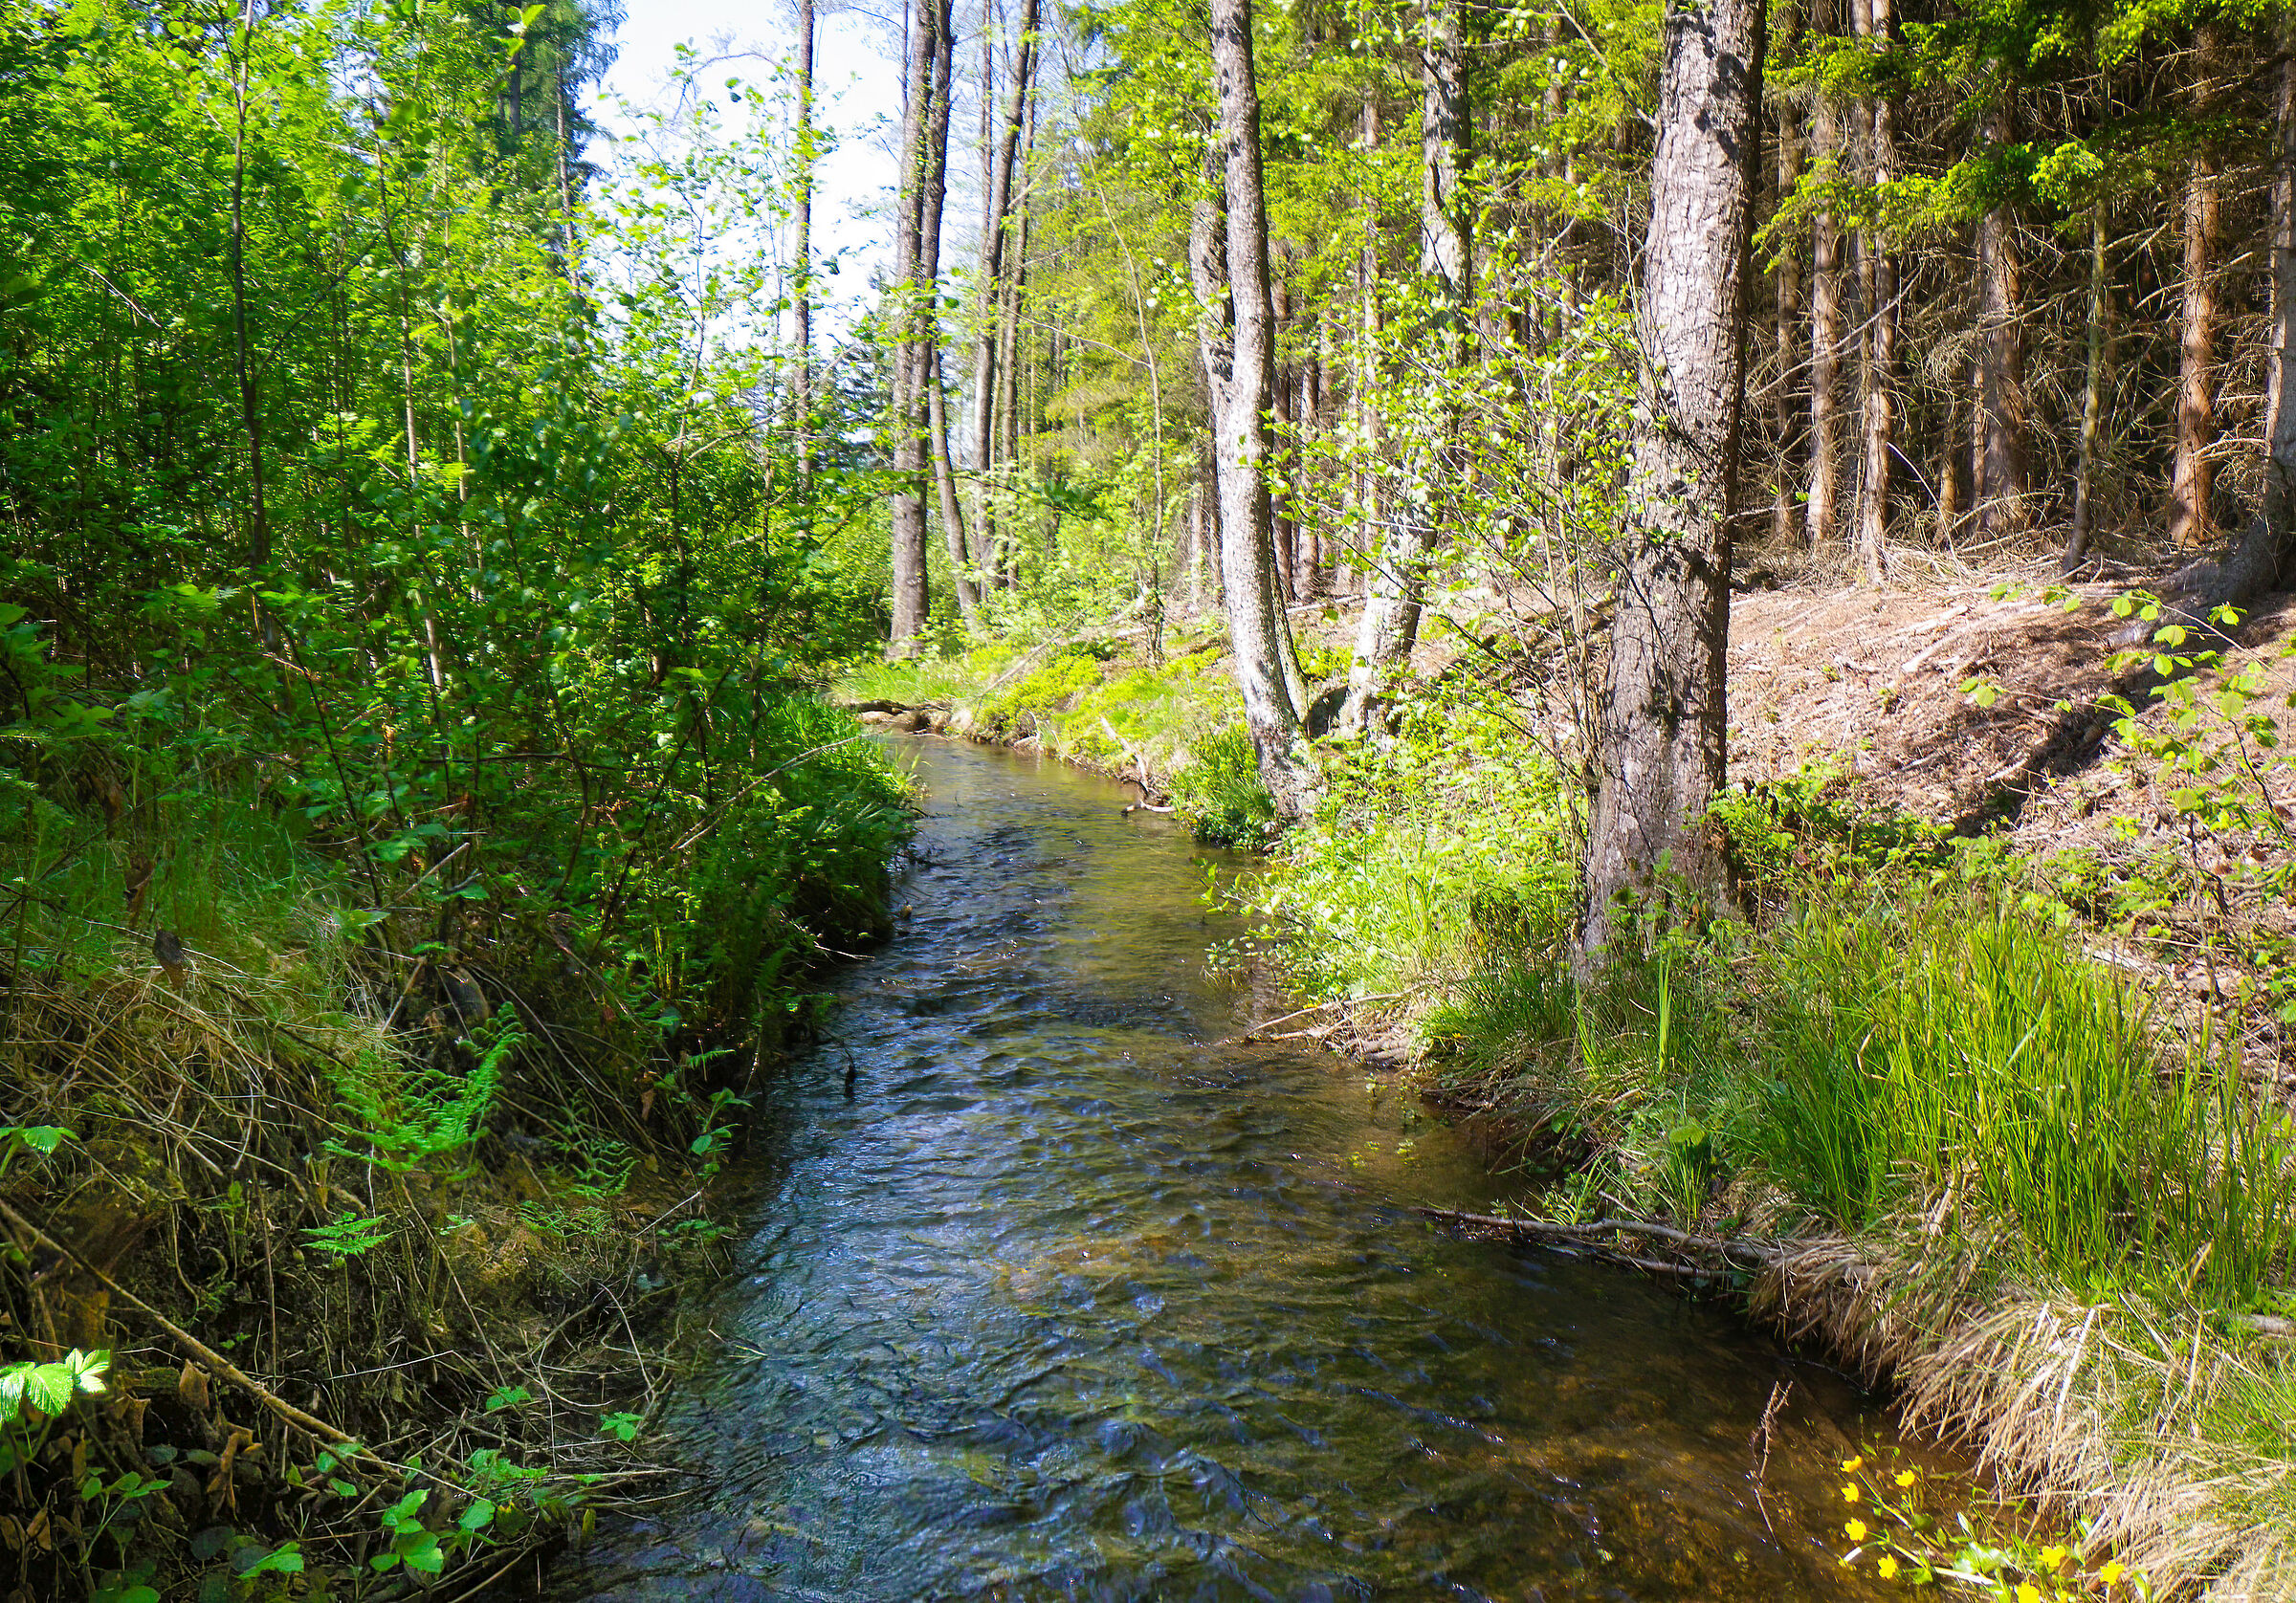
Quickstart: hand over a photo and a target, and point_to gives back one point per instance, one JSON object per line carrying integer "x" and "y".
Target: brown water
{"x": 1069, "y": 1299}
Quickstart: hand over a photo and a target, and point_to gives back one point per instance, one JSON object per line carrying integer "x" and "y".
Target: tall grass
{"x": 1940, "y": 1055}
{"x": 1945, "y": 1050}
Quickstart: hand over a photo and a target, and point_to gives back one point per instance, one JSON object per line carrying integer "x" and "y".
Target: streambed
{"x": 1068, "y": 1299}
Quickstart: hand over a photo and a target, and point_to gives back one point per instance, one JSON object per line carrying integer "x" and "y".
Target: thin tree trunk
{"x": 251, "y": 417}
{"x": 1949, "y": 461}
{"x": 1660, "y": 750}
{"x": 2192, "y": 474}
{"x": 1228, "y": 258}
{"x": 2000, "y": 424}
{"x": 1878, "y": 273}
{"x": 989, "y": 277}
{"x": 1782, "y": 509}
{"x": 910, "y": 599}
{"x": 1825, "y": 320}
{"x": 1003, "y": 554}
{"x": 1389, "y": 626}
{"x": 928, "y": 304}
{"x": 1283, "y": 413}
{"x": 1367, "y": 380}
{"x": 944, "y": 485}
{"x": 801, "y": 379}
{"x": 2092, "y": 397}
{"x": 2265, "y": 558}
{"x": 1312, "y": 427}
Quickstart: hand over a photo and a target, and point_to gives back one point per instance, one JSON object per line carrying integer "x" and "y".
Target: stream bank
{"x": 1059, "y": 1284}
{"x": 2128, "y": 1390}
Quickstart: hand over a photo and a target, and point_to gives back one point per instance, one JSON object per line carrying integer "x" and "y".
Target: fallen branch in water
{"x": 1720, "y": 1249}
{"x": 1253, "y": 1033}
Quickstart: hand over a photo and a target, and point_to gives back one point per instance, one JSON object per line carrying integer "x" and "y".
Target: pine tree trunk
{"x": 1822, "y": 509}
{"x": 2267, "y": 547}
{"x": 1879, "y": 276}
{"x": 2092, "y": 397}
{"x": 2000, "y": 424}
{"x": 1236, "y": 326}
{"x": 1782, "y": 509}
{"x": 2192, "y": 474}
{"x": 1660, "y": 749}
{"x": 2265, "y": 557}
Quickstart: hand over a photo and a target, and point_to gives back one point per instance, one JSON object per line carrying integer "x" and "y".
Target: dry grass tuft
{"x": 2121, "y": 1409}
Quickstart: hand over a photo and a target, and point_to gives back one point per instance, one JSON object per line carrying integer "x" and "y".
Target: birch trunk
{"x": 1235, "y": 325}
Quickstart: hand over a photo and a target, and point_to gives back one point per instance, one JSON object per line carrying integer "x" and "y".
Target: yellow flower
{"x": 1856, "y": 1529}
{"x": 1906, "y": 1477}
{"x": 2027, "y": 1593}
{"x": 1850, "y": 1494}
{"x": 2052, "y": 1558}
{"x": 1850, "y": 1467}
{"x": 1887, "y": 1568}
{"x": 2112, "y": 1572}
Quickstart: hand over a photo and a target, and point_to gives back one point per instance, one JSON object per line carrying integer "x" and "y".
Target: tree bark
{"x": 1227, "y": 257}
{"x": 1660, "y": 747}
{"x": 1782, "y": 510}
{"x": 989, "y": 275}
{"x": 1822, "y": 508}
{"x": 251, "y": 414}
{"x": 2267, "y": 549}
{"x": 1877, "y": 274}
{"x": 2092, "y": 397}
{"x": 800, "y": 378}
{"x": 2192, "y": 474}
{"x": 962, "y": 579}
{"x": 1283, "y": 413}
{"x": 1393, "y": 599}
{"x": 910, "y": 599}
{"x": 1999, "y": 425}
{"x": 2265, "y": 557}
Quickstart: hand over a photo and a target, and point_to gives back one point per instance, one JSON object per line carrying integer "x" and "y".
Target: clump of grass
{"x": 1913, "y": 1053}
{"x": 1219, "y": 794}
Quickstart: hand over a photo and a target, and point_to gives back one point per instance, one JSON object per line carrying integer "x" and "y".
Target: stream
{"x": 1071, "y": 1299}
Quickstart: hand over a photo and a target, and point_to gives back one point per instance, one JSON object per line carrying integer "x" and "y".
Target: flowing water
{"x": 1069, "y": 1298}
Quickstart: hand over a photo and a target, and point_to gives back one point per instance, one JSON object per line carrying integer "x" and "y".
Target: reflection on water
{"x": 1070, "y": 1301}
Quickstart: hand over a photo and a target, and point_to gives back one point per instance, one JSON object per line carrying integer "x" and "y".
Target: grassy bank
{"x": 364, "y": 1218}
{"x": 370, "y": 1062}
{"x": 1904, "y": 1109}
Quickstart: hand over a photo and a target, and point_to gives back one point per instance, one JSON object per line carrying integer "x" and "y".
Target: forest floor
{"x": 1936, "y": 802}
